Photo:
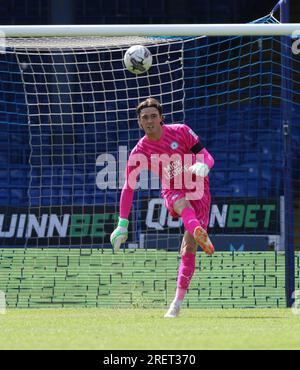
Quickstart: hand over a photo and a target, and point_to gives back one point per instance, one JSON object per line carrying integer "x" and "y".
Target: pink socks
{"x": 186, "y": 271}
{"x": 189, "y": 220}
{"x": 187, "y": 264}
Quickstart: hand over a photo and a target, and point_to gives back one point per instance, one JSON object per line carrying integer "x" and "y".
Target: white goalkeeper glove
{"x": 200, "y": 169}
{"x": 120, "y": 234}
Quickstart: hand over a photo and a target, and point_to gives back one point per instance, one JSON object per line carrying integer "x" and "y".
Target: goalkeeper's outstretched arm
{"x": 120, "y": 234}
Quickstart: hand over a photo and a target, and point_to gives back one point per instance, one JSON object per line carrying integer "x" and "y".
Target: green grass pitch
{"x": 146, "y": 329}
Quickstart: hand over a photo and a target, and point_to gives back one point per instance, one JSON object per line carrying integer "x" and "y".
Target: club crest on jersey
{"x": 174, "y": 145}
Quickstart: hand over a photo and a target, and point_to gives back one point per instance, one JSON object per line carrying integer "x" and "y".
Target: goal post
{"x": 286, "y": 87}
{"x": 68, "y": 124}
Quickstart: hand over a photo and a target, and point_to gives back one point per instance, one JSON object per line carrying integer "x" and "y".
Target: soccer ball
{"x": 138, "y": 59}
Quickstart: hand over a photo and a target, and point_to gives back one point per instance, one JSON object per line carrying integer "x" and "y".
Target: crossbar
{"x": 251, "y": 29}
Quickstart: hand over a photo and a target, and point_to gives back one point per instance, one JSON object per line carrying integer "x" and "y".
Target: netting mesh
{"x": 83, "y": 44}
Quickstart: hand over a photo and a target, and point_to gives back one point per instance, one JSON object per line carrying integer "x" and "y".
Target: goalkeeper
{"x": 192, "y": 205}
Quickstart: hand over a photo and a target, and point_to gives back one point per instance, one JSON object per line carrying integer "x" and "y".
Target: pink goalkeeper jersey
{"x": 170, "y": 158}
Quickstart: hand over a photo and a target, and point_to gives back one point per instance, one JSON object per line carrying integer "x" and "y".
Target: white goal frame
{"x": 287, "y": 29}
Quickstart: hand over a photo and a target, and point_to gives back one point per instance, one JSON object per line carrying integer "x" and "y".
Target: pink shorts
{"x": 201, "y": 206}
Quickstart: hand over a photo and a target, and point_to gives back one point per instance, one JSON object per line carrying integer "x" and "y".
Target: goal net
{"x": 67, "y": 125}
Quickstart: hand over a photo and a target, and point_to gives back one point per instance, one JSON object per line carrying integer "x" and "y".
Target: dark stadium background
{"x": 132, "y": 11}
